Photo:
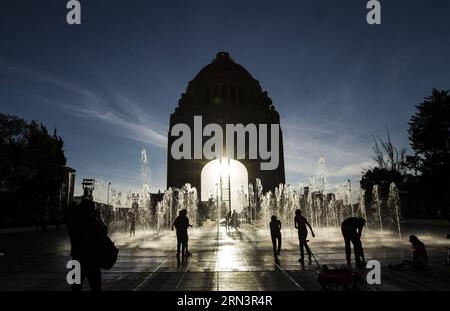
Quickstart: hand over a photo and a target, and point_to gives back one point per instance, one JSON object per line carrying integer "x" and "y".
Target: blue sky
{"x": 110, "y": 84}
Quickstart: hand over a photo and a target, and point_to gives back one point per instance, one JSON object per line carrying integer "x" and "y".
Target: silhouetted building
{"x": 224, "y": 92}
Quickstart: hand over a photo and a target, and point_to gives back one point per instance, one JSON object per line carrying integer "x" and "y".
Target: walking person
{"x": 87, "y": 233}
{"x": 351, "y": 231}
{"x": 301, "y": 225}
{"x": 181, "y": 225}
{"x": 275, "y": 234}
{"x": 132, "y": 220}
{"x": 235, "y": 220}
{"x": 228, "y": 221}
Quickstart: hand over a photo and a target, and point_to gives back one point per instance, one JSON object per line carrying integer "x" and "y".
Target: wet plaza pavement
{"x": 221, "y": 260}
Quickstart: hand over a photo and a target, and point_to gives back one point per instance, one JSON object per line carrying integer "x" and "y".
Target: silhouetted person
{"x": 132, "y": 224}
{"x": 228, "y": 220}
{"x": 351, "y": 231}
{"x": 419, "y": 256}
{"x": 87, "y": 232}
{"x": 301, "y": 224}
{"x": 181, "y": 224}
{"x": 275, "y": 234}
{"x": 235, "y": 220}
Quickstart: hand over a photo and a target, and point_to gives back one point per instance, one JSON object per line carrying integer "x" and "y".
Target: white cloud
{"x": 129, "y": 120}
{"x": 355, "y": 169}
{"x": 346, "y": 153}
{"x": 124, "y": 114}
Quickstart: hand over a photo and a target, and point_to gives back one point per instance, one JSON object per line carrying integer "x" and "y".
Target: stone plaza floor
{"x": 221, "y": 260}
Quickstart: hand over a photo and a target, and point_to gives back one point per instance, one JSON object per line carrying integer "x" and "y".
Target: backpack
{"x": 108, "y": 253}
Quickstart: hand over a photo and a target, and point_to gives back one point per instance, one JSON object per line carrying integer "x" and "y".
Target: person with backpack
{"x": 90, "y": 245}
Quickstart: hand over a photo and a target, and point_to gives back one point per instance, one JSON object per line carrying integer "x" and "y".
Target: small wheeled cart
{"x": 342, "y": 276}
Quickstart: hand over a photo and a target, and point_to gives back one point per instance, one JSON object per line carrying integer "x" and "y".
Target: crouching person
{"x": 419, "y": 256}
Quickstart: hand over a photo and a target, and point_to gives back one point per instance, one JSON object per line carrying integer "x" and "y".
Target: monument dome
{"x": 224, "y": 92}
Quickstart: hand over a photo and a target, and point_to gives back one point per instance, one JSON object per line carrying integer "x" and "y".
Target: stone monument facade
{"x": 224, "y": 92}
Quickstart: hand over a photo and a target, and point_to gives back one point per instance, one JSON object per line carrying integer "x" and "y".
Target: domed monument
{"x": 224, "y": 94}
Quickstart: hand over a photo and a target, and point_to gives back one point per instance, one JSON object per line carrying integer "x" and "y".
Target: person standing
{"x": 351, "y": 231}
{"x": 132, "y": 220}
{"x": 301, "y": 225}
{"x": 181, "y": 225}
{"x": 235, "y": 220}
{"x": 228, "y": 221}
{"x": 87, "y": 233}
{"x": 275, "y": 234}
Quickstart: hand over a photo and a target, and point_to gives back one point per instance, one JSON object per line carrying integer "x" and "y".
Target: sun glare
{"x": 224, "y": 167}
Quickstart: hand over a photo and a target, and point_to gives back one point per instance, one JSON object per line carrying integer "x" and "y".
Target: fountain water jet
{"x": 144, "y": 202}
{"x": 377, "y": 204}
{"x": 394, "y": 206}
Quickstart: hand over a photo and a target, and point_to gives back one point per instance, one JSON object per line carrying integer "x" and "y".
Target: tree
{"x": 390, "y": 168}
{"x": 429, "y": 135}
{"x": 429, "y": 132}
{"x": 387, "y": 156}
{"x": 390, "y": 165}
{"x": 31, "y": 169}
